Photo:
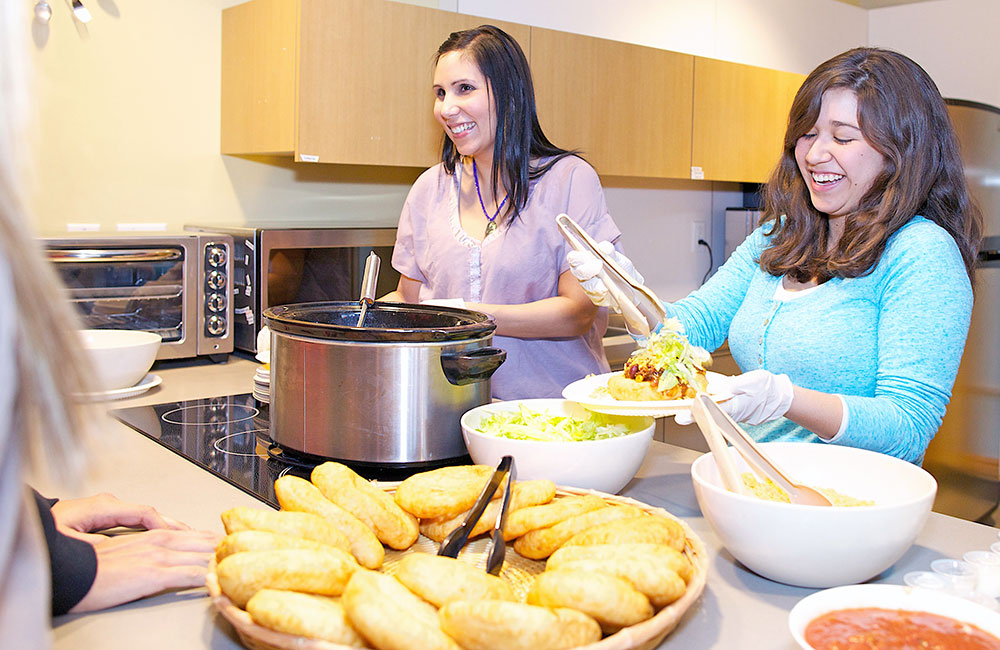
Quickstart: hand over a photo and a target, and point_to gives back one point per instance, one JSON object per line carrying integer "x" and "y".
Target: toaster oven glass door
{"x": 136, "y": 288}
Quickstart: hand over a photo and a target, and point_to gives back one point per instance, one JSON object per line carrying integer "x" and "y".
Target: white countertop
{"x": 737, "y": 610}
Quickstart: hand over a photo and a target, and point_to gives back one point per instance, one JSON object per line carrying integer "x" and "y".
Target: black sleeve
{"x": 73, "y": 561}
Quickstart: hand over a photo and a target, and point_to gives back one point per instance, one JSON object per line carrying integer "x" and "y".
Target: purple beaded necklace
{"x": 491, "y": 224}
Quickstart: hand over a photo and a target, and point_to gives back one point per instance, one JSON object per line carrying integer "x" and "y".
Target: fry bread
{"x": 317, "y": 572}
{"x": 524, "y": 494}
{"x": 390, "y": 617}
{"x": 543, "y": 516}
{"x": 444, "y": 492}
{"x": 440, "y": 580}
{"x": 300, "y": 495}
{"x": 541, "y": 543}
{"x": 652, "y": 573}
{"x": 316, "y": 617}
{"x": 610, "y": 600}
{"x": 262, "y": 540}
{"x": 503, "y": 625}
{"x": 648, "y": 553}
{"x": 644, "y": 529}
{"x": 303, "y": 525}
{"x": 373, "y": 506}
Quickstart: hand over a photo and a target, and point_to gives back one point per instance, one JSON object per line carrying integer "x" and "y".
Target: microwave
{"x": 284, "y": 263}
{"x": 174, "y": 285}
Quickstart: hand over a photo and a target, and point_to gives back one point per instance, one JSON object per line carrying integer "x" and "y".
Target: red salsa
{"x": 892, "y": 629}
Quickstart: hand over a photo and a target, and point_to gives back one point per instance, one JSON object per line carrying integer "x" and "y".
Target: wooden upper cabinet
{"x": 627, "y": 108}
{"x": 338, "y": 81}
{"x": 740, "y": 114}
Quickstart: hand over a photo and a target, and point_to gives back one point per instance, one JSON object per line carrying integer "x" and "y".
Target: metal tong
{"x": 641, "y": 309}
{"x": 456, "y": 540}
{"x": 368, "y": 282}
{"x": 718, "y": 427}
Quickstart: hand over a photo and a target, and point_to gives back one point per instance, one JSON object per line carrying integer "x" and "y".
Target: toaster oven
{"x": 174, "y": 285}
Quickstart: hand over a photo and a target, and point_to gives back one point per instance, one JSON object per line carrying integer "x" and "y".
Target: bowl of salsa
{"x": 892, "y": 616}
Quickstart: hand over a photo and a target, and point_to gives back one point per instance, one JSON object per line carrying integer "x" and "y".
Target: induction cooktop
{"x": 229, "y": 437}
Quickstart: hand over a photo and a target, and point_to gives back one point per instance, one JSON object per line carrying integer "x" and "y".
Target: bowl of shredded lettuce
{"x": 559, "y": 440}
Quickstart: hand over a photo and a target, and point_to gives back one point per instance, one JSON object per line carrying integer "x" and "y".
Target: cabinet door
{"x": 365, "y": 74}
{"x": 740, "y": 114}
{"x": 627, "y": 108}
{"x": 258, "y": 77}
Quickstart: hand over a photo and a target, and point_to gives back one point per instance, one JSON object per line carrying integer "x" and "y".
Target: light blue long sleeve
{"x": 889, "y": 342}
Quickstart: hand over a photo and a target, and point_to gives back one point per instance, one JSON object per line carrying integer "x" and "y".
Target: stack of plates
{"x": 262, "y": 384}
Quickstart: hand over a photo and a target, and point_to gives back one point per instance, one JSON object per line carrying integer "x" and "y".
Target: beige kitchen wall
{"x": 128, "y": 119}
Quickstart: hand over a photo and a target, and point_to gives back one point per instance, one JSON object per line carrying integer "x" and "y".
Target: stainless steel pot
{"x": 391, "y": 392}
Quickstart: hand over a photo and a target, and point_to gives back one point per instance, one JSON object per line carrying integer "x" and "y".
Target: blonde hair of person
{"x": 49, "y": 362}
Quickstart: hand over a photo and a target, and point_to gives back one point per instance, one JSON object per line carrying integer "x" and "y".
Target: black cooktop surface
{"x": 229, "y": 436}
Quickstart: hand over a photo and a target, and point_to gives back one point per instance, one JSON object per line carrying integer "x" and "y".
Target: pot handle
{"x": 461, "y": 368}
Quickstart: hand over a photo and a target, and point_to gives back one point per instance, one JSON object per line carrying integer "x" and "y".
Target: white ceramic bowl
{"x": 891, "y": 597}
{"x": 815, "y": 546}
{"x": 121, "y": 358}
{"x": 605, "y": 465}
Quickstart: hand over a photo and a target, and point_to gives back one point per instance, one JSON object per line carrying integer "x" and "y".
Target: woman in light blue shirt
{"x": 848, "y": 308}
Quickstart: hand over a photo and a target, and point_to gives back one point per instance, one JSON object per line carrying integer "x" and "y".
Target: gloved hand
{"x": 758, "y": 396}
{"x": 457, "y": 303}
{"x": 585, "y": 266}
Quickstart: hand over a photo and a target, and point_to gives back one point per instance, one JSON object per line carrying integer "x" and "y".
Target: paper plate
{"x": 592, "y": 393}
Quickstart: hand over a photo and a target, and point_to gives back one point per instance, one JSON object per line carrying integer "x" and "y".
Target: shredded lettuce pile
{"x": 525, "y": 424}
{"x": 668, "y": 350}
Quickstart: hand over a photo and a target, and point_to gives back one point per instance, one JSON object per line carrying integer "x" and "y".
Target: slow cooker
{"x": 389, "y": 392}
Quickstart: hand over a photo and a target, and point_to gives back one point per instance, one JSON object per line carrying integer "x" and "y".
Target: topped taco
{"x": 667, "y": 368}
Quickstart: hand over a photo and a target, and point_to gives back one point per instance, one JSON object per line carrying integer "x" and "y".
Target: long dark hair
{"x": 518, "y": 137}
{"x": 902, "y": 116}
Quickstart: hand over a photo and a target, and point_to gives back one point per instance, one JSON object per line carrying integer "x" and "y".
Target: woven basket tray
{"x": 517, "y": 570}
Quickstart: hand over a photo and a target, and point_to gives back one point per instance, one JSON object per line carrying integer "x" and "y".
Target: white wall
{"x": 954, "y": 40}
{"x": 129, "y": 118}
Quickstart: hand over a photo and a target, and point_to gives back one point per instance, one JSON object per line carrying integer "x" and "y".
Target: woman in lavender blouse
{"x": 478, "y": 229}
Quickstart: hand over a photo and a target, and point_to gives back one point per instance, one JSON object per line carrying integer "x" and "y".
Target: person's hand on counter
{"x": 133, "y": 566}
{"x": 162, "y": 554}
{"x": 82, "y": 518}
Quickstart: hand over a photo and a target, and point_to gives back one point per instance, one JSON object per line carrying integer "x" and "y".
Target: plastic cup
{"x": 926, "y": 580}
{"x": 960, "y": 576}
{"x": 987, "y": 564}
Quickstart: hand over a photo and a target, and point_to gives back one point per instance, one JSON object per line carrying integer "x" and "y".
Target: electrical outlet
{"x": 699, "y": 230}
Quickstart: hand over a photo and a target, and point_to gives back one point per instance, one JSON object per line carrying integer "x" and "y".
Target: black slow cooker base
{"x": 372, "y": 471}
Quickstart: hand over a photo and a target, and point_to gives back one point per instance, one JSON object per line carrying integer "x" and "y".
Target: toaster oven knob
{"x": 215, "y": 325}
{"x": 216, "y": 256}
{"x": 216, "y": 280}
{"x": 216, "y": 302}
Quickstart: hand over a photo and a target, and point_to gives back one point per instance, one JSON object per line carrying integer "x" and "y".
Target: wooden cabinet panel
{"x": 740, "y": 114}
{"x": 626, "y": 107}
{"x": 365, "y": 80}
{"x": 258, "y": 77}
{"x": 338, "y": 81}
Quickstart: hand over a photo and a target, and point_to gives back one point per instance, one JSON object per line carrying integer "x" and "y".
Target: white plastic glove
{"x": 758, "y": 396}
{"x": 585, "y": 267}
{"x": 457, "y": 303}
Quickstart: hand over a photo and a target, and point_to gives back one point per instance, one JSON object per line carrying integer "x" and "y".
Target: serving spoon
{"x": 716, "y": 424}
{"x": 368, "y": 282}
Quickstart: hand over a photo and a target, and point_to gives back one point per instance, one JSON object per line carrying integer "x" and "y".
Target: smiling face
{"x": 464, "y": 107}
{"x": 836, "y": 162}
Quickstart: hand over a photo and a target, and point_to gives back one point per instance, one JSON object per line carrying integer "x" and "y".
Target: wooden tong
{"x": 641, "y": 309}
{"x": 455, "y": 541}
